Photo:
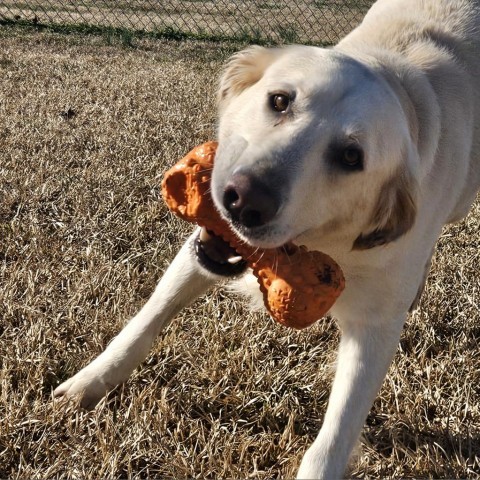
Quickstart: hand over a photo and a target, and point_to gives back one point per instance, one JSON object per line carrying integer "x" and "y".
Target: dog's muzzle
{"x": 217, "y": 256}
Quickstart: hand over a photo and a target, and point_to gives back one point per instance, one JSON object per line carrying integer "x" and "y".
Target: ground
{"x": 317, "y": 21}
{"x": 87, "y": 127}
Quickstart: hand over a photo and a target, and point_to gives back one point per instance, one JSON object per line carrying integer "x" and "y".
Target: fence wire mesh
{"x": 283, "y": 21}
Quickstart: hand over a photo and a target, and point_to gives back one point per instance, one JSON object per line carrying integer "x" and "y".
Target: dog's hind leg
{"x": 364, "y": 356}
{"x": 183, "y": 281}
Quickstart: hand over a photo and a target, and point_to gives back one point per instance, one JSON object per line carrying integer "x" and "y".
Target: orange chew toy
{"x": 298, "y": 286}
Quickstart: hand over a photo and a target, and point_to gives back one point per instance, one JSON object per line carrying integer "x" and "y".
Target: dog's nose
{"x": 249, "y": 201}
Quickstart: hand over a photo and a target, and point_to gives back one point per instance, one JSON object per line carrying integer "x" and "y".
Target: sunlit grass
{"x": 87, "y": 127}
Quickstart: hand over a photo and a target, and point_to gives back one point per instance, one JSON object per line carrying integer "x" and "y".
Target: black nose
{"x": 250, "y": 201}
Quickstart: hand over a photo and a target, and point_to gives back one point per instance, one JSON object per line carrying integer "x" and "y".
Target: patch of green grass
{"x": 359, "y": 5}
{"x": 123, "y": 37}
{"x": 288, "y": 34}
{"x": 269, "y": 5}
{"x": 126, "y": 37}
{"x": 251, "y": 35}
{"x": 5, "y": 62}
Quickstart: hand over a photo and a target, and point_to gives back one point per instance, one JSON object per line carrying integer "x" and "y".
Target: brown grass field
{"x": 87, "y": 128}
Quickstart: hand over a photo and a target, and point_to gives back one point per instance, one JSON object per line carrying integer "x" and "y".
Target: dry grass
{"x": 86, "y": 130}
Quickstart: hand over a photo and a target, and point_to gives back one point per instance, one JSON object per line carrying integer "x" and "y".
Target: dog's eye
{"x": 353, "y": 157}
{"x": 279, "y": 102}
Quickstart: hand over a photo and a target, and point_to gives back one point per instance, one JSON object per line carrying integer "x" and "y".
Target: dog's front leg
{"x": 364, "y": 356}
{"x": 182, "y": 283}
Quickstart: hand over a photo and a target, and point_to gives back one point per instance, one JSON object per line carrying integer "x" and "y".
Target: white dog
{"x": 363, "y": 151}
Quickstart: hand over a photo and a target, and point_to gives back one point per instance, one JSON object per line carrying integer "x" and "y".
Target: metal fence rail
{"x": 283, "y": 21}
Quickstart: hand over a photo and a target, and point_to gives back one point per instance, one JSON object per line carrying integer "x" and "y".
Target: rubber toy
{"x": 298, "y": 286}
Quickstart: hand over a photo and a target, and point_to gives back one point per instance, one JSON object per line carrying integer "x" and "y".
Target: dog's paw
{"x": 87, "y": 385}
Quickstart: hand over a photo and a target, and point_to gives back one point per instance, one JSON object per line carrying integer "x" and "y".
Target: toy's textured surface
{"x": 298, "y": 286}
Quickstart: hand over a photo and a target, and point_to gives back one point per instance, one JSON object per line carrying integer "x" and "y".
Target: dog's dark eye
{"x": 279, "y": 102}
{"x": 352, "y": 158}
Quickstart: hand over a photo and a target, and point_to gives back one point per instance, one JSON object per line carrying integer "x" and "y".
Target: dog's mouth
{"x": 217, "y": 256}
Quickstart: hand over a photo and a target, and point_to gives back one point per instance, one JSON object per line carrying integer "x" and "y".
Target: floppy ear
{"x": 243, "y": 70}
{"x": 394, "y": 213}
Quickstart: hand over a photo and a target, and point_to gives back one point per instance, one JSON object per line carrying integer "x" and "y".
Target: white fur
{"x": 405, "y": 86}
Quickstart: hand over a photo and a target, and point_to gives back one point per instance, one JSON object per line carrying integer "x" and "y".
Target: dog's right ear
{"x": 243, "y": 70}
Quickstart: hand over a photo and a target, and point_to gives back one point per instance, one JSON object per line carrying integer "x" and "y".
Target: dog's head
{"x": 313, "y": 140}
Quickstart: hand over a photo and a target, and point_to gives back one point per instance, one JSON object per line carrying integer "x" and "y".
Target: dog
{"x": 363, "y": 151}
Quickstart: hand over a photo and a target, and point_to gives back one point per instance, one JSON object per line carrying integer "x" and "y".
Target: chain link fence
{"x": 311, "y": 22}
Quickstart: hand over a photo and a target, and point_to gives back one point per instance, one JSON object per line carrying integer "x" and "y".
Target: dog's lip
{"x": 263, "y": 237}
{"x": 217, "y": 256}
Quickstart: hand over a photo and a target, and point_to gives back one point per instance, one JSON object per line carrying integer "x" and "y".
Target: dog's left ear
{"x": 243, "y": 70}
{"x": 394, "y": 213}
